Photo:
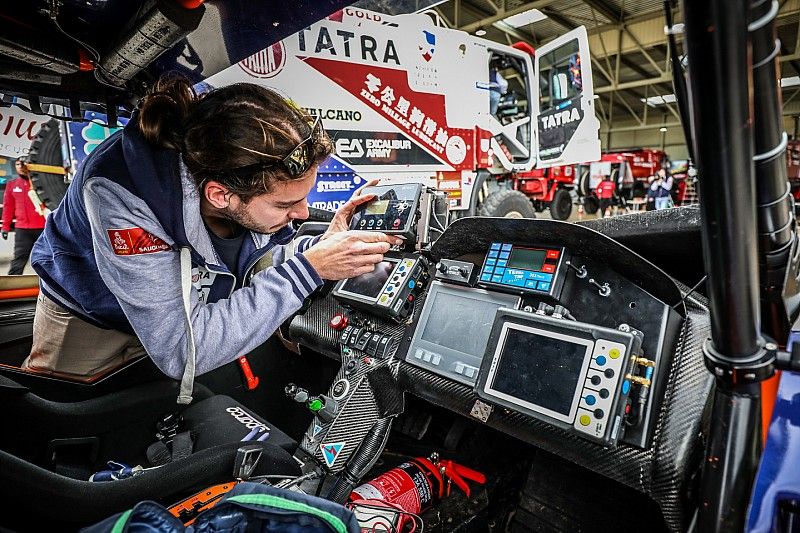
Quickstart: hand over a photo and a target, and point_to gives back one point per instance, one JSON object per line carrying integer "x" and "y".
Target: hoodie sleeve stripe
{"x": 295, "y": 270}
{"x": 307, "y": 243}
{"x": 282, "y": 271}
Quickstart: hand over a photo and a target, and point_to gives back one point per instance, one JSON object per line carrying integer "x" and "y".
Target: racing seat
{"x": 47, "y": 450}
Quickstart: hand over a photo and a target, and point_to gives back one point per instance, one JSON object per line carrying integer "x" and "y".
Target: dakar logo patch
{"x": 135, "y": 241}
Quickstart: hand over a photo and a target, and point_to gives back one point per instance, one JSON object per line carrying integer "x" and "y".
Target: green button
{"x": 613, "y": 353}
{"x": 315, "y": 405}
{"x": 585, "y": 420}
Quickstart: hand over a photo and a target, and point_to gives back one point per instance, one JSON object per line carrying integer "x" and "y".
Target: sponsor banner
{"x": 420, "y": 116}
{"x": 378, "y": 148}
{"x": 557, "y": 127}
{"x": 18, "y": 128}
{"x": 336, "y": 183}
{"x": 84, "y": 137}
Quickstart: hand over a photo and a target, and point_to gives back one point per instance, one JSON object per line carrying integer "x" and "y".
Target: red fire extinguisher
{"x": 415, "y": 484}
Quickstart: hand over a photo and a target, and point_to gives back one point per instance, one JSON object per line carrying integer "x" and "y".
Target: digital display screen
{"x": 526, "y": 258}
{"x": 377, "y": 207}
{"x": 462, "y": 324}
{"x": 371, "y": 283}
{"x": 539, "y": 370}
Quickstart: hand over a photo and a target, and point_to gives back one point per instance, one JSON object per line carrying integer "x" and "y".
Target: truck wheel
{"x": 583, "y": 184}
{"x": 507, "y": 204}
{"x": 46, "y": 150}
{"x": 590, "y": 205}
{"x": 561, "y": 206}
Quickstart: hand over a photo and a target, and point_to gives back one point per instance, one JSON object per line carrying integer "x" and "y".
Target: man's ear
{"x": 217, "y": 194}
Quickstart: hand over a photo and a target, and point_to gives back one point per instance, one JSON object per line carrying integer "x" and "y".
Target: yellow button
{"x": 585, "y": 420}
{"x": 613, "y": 353}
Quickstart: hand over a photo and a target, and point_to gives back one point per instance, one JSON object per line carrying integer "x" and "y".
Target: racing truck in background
{"x": 405, "y": 99}
{"x": 628, "y": 169}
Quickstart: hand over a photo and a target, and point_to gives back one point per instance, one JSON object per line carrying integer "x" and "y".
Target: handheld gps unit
{"x": 388, "y": 290}
{"x": 521, "y": 269}
{"x": 394, "y": 211}
{"x": 569, "y": 374}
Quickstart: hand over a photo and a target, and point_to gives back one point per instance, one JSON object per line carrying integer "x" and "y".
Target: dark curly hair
{"x": 229, "y": 128}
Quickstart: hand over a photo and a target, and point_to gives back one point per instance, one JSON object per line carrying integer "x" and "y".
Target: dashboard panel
{"x": 442, "y": 350}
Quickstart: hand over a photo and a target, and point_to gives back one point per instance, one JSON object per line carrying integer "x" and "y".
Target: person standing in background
{"x": 20, "y": 203}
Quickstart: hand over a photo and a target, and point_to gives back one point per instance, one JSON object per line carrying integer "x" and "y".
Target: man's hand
{"x": 347, "y": 254}
{"x": 341, "y": 220}
{"x": 5, "y": 235}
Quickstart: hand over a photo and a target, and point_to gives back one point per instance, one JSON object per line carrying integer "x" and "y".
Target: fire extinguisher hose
{"x": 361, "y": 461}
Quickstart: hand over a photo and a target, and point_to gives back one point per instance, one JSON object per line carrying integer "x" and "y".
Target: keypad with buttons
{"x": 605, "y": 369}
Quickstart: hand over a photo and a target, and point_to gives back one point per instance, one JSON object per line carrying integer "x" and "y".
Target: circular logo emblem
{"x": 456, "y": 149}
{"x": 266, "y": 63}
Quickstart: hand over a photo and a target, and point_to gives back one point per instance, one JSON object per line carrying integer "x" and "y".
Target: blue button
{"x": 486, "y": 277}
{"x": 493, "y": 254}
{"x": 506, "y": 248}
{"x": 544, "y": 286}
{"x": 411, "y": 284}
{"x": 402, "y": 268}
{"x": 601, "y": 360}
{"x": 530, "y": 284}
{"x": 626, "y": 386}
{"x": 491, "y": 261}
{"x": 539, "y": 276}
{"x": 495, "y": 246}
{"x": 497, "y": 279}
{"x": 501, "y": 262}
{"x": 499, "y": 270}
{"x": 590, "y": 399}
{"x": 504, "y": 255}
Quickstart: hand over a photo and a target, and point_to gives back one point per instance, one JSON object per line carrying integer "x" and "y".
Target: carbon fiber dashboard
{"x": 661, "y": 463}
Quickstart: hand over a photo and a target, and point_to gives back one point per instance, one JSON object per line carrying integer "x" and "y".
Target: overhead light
{"x": 526, "y": 17}
{"x": 662, "y": 129}
{"x": 653, "y": 101}
{"x": 790, "y": 82}
{"x": 481, "y": 32}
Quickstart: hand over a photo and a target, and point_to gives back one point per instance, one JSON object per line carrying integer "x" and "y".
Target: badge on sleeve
{"x": 135, "y": 241}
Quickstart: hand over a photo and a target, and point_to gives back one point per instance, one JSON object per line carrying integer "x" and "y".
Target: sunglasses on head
{"x": 296, "y": 163}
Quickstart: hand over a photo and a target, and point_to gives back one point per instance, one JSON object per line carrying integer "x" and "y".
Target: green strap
{"x": 121, "y": 522}
{"x": 281, "y": 503}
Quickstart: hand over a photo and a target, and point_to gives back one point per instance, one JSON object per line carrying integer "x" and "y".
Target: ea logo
{"x": 266, "y": 63}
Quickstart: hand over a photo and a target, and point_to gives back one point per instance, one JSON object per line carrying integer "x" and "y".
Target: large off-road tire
{"x": 561, "y": 206}
{"x": 584, "y": 188}
{"x": 590, "y": 205}
{"x": 46, "y": 150}
{"x": 507, "y": 204}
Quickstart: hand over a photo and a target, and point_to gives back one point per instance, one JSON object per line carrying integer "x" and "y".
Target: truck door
{"x": 567, "y": 130}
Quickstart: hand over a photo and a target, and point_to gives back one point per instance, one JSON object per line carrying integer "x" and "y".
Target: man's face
{"x": 267, "y": 213}
{"x": 22, "y": 168}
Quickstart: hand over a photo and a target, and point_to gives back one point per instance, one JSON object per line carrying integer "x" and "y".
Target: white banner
{"x": 17, "y": 130}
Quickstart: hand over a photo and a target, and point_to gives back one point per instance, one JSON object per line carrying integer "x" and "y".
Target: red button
{"x": 338, "y": 322}
{"x": 549, "y": 268}
{"x": 396, "y": 222}
{"x": 553, "y": 254}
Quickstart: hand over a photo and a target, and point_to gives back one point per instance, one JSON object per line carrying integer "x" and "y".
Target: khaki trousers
{"x": 65, "y": 344}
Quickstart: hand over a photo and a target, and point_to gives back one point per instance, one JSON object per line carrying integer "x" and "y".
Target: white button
{"x": 459, "y": 368}
{"x": 437, "y": 358}
{"x": 427, "y": 357}
{"x": 470, "y": 372}
{"x": 419, "y": 353}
